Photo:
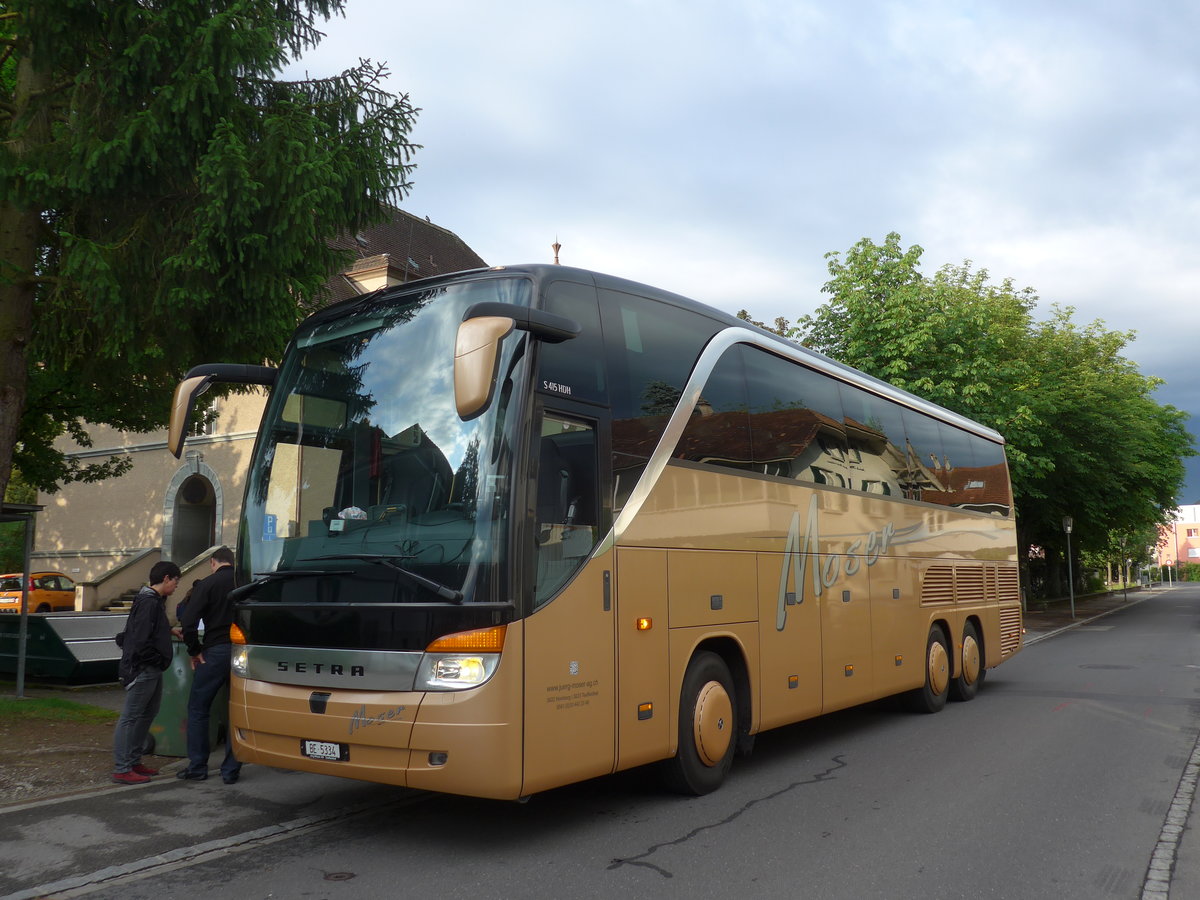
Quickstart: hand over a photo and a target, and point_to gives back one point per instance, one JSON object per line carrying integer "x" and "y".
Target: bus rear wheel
{"x": 971, "y": 670}
{"x": 932, "y": 697}
{"x": 707, "y": 727}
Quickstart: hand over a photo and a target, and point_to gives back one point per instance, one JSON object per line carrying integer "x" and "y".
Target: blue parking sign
{"x": 268, "y": 527}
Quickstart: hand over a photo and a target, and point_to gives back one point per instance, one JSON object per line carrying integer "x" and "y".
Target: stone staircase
{"x": 123, "y": 603}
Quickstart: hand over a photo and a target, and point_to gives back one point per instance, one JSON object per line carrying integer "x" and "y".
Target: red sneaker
{"x": 129, "y": 778}
{"x": 144, "y": 770}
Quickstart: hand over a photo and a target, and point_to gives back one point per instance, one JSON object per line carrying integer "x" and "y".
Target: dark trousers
{"x": 142, "y": 698}
{"x": 207, "y": 680}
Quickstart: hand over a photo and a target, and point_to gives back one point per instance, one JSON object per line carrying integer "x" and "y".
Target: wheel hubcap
{"x": 713, "y": 723}
{"x": 970, "y": 667}
{"x": 939, "y": 668}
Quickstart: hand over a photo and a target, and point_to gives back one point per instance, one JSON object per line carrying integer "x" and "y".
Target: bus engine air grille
{"x": 938, "y": 585}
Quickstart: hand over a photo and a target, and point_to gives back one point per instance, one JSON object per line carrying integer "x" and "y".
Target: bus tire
{"x": 970, "y": 670}
{"x": 707, "y": 727}
{"x": 932, "y": 697}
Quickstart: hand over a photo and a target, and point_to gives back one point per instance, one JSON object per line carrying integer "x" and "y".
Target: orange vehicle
{"x": 518, "y": 527}
{"x": 48, "y": 592}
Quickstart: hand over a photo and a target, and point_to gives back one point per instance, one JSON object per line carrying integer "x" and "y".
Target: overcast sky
{"x": 720, "y": 149}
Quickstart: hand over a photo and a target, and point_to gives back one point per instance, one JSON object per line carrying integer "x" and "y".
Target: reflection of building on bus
{"x": 586, "y": 525}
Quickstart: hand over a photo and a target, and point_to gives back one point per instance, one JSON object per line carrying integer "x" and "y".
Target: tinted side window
{"x": 925, "y": 457}
{"x": 875, "y": 435}
{"x": 991, "y": 474}
{"x": 651, "y": 349}
{"x": 574, "y": 368}
{"x": 719, "y": 429}
{"x": 974, "y": 472}
{"x": 795, "y": 421}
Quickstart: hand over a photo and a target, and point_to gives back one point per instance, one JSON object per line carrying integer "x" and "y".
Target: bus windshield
{"x": 366, "y": 486}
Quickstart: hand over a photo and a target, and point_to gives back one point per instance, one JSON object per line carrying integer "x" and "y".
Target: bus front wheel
{"x": 971, "y": 672}
{"x": 707, "y": 727}
{"x": 932, "y": 697}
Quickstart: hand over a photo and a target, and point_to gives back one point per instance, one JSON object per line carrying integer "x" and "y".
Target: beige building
{"x": 106, "y": 535}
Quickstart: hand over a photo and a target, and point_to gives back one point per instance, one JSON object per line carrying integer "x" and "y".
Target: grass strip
{"x": 53, "y": 708}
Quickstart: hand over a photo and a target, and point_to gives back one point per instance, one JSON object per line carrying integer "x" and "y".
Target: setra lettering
{"x": 305, "y": 668}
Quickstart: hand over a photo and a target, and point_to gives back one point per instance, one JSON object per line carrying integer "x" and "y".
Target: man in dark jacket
{"x": 210, "y": 664}
{"x": 145, "y": 654}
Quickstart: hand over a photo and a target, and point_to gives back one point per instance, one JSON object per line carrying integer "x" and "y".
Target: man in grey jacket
{"x": 145, "y": 654}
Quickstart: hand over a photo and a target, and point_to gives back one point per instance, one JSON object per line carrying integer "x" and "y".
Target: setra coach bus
{"x": 514, "y": 528}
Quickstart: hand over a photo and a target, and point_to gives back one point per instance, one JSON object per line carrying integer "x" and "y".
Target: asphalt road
{"x": 1060, "y": 780}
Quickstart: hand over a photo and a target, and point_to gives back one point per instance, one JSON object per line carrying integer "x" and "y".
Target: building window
{"x": 1193, "y": 532}
{"x": 207, "y": 426}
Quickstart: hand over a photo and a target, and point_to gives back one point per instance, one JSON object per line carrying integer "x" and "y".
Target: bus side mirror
{"x": 476, "y": 359}
{"x": 182, "y": 405}
{"x": 196, "y": 382}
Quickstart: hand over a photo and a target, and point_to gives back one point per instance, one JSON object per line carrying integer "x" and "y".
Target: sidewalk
{"x": 1043, "y": 623}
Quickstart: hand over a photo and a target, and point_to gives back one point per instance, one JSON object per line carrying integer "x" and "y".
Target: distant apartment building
{"x": 1180, "y": 541}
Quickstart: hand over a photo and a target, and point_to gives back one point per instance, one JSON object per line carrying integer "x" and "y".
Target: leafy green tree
{"x": 1115, "y": 455}
{"x": 12, "y": 534}
{"x": 165, "y": 197}
{"x": 782, "y": 326}
{"x": 1085, "y": 436}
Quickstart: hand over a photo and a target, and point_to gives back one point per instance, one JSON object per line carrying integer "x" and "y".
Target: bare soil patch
{"x": 42, "y": 758}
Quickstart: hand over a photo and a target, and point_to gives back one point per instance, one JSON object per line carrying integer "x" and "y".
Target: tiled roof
{"x": 414, "y": 247}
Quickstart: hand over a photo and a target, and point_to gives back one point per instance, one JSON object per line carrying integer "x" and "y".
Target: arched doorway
{"x": 195, "y": 504}
{"x": 193, "y": 512}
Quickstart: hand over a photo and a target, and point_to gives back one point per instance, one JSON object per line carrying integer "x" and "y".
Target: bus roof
{"x": 543, "y": 272}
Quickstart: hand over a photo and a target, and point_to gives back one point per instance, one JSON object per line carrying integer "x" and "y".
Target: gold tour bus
{"x": 514, "y": 528}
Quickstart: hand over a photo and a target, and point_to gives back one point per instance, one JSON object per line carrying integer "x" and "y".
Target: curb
{"x": 1128, "y": 604}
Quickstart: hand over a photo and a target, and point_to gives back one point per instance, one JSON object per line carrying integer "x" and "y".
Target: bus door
{"x": 570, "y": 674}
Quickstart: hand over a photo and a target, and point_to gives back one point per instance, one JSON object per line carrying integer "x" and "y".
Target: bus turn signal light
{"x": 236, "y": 635}
{"x": 645, "y": 623}
{"x": 483, "y": 640}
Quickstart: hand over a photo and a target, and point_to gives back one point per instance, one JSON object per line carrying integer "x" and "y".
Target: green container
{"x": 168, "y": 733}
{"x": 77, "y": 648}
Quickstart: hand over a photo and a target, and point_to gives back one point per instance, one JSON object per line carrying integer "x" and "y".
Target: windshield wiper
{"x": 245, "y": 590}
{"x": 443, "y": 591}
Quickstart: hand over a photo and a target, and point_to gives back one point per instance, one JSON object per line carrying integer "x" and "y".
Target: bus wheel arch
{"x": 938, "y": 661}
{"x": 709, "y": 722}
{"x": 972, "y": 663}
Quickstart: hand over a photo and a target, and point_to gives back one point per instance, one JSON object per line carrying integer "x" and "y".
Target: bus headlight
{"x": 240, "y": 661}
{"x": 455, "y": 672}
{"x": 465, "y": 659}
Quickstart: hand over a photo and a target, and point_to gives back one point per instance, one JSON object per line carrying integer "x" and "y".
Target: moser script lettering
{"x": 361, "y": 719}
{"x": 802, "y": 551}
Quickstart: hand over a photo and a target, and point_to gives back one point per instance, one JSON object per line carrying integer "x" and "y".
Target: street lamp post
{"x": 1068, "y": 524}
